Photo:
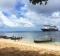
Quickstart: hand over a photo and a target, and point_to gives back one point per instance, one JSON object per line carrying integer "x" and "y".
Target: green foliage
{"x": 38, "y": 1}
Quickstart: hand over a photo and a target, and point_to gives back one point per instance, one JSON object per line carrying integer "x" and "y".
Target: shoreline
{"x": 21, "y": 42}
{"x": 41, "y": 48}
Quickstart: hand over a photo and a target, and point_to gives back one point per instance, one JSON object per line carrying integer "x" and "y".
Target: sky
{"x": 21, "y": 15}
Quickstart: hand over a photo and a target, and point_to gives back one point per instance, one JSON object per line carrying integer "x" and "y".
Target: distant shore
{"x": 10, "y": 47}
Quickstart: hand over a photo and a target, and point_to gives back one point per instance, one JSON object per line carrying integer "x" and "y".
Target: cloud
{"x": 43, "y": 14}
{"x": 21, "y": 13}
{"x": 25, "y": 22}
{"x": 35, "y": 18}
{"x": 1, "y": 25}
{"x": 56, "y": 14}
{"x": 10, "y": 7}
{"x": 7, "y": 5}
{"x": 6, "y": 21}
{"x": 14, "y": 22}
{"x": 44, "y": 9}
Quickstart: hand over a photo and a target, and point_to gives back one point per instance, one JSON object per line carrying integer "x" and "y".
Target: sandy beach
{"x": 21, "y": 48}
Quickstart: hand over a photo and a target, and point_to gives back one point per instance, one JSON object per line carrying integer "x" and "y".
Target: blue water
{"x": 30, "y": 36}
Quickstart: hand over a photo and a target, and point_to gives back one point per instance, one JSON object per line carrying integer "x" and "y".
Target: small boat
{"x": 40, "y": 41}
{"x": 16, "y": 38}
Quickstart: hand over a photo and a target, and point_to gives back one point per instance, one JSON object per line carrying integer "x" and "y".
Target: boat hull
{"x": 49, "y": 29}
{"x": 36, "y": 41}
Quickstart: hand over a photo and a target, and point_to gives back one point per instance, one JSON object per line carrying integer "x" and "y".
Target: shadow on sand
{"x": 12, "y": 51}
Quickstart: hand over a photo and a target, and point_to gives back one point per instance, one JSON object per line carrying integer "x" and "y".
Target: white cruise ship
{"x": 49, "y": 28}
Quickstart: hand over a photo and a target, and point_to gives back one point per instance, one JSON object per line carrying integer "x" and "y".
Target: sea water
{"x": 29, "y": 36}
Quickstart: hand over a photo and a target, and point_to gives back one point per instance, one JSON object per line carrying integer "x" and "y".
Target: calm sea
{"x": 31, "y": 35}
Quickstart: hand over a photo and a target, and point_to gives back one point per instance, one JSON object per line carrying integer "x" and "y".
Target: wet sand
{"x": 21, "y": 48}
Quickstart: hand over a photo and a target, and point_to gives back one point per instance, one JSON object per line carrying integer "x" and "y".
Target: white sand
{"x": 21, "y": 48}
{"x": 40, "y": 45}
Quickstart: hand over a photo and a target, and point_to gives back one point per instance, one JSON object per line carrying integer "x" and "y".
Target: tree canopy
{"x": 38, "y": 1}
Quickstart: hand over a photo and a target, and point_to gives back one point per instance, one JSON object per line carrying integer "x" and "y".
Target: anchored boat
{"x": 49, "y": 28}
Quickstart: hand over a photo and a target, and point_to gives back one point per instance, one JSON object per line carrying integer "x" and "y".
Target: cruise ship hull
{"x": 49, "y": 29}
